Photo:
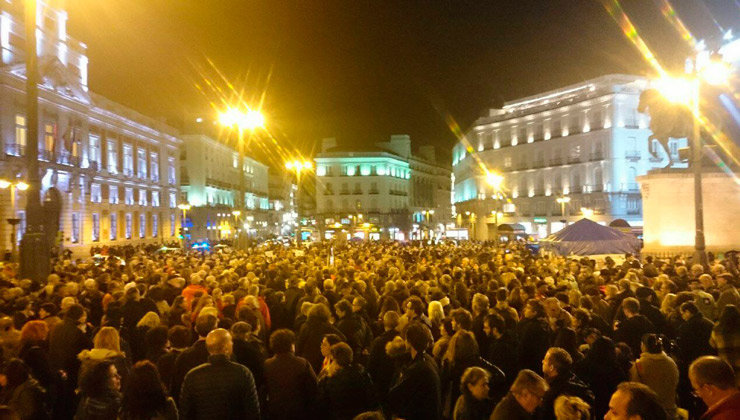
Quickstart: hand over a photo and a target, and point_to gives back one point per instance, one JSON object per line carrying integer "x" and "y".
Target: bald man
{"x": 219, "y": 389}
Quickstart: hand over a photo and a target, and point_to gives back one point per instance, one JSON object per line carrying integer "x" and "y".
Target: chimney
{"x": 328, "y": 143}
{"x": 400, "y": 144}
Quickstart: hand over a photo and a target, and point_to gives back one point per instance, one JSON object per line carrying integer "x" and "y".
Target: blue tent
{"x": 586, "y": 237}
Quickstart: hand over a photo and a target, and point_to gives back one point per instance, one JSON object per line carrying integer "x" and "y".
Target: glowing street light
{"x": 242, "y": 120}
{"x": 563, "y": 201}
{"x": 495, "y": 180}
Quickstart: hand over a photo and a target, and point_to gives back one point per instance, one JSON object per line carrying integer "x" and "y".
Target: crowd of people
{"x": 375, "y": 330}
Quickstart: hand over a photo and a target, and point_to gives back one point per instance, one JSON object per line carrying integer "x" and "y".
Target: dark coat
{"x": 26, "y": 400}
{"x": 308, "y": 342}
{"x": 729, "y": 409}
{"x": 452, "y": 373}
{"x": 510, "y": 409}
{"x": 219, "y": 389}
{"x": 358, "y": 333}
{"x": 693, "y": 339}
{"x": 468, "y": 408}
{"x": 291, "y": 386}
{"x": 534, "y": 340}
{"x": 346, "y": 394}
{"x": 631, "y": 330}
{"x": 249, "y": 354}
{"x": 194, "y": 356}
{"x": 565, "y": 384}
{"x": 104, "y": 407}
{"x": 417, "y": 393}
{"x": 602, "y": 377}
{"x": 380, "y": 366}
{"x": 66, "y": 341}
{"x": 502, "y": 352}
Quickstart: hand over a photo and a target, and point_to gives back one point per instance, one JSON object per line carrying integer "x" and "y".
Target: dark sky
{"x": 360, "y": 70}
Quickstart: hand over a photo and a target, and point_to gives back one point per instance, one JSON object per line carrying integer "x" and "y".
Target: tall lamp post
{"x": 686, "y": 92}
{"x": 241, "y": 121}
{"x": 298, "y": 166}
{"x": 495, "y": 180}
{"x": 35, "y": 247}
{"x": 13, "y": 220}
{"x": 563, "y": 201}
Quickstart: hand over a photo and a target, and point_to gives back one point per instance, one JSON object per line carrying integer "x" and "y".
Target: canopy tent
{"x": 586, "y": 237}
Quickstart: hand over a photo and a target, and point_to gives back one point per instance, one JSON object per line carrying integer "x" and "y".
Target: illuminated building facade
{"x": 382, "y": 192}
{"x": 586, "y": 142}
{"x": 114, "y": 170}
{"x": 210, "y": 183}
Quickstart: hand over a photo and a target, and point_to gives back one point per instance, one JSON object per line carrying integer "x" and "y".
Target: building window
{"x": 96, "y": 227}
{"x": 171, "y": 171}
{"x": 129, "y": 196}
{"x": 173, "y": 225}
{"x": 173, "y": 200}
{"x": 129, "y": 220}
{"x": 95, "y": 195}
{"x": 50, "y": 134}
{"x": 21, "y": 134}
{"x": 93, "y": 154}
{"x": 82, "y": 189}
{"x": 113, "y": 226}
{"x": 141, "y": 165}
{"x": 154, "y": 166}
{"x": 155, "y": 198}
{"x": 113, "y": 194}
{"x": 75, "y": 234}
{"x": 142, "y": 198}
{"x": 507, "y": 162}
{"x": 128, "y": 160}
{"x": 142, "y": 226}
{"x": 112, "y": 156}
{"x": 155, "y": 226}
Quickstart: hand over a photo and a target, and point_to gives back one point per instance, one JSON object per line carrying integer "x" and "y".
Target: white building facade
{"x": 116, "y": 170}
{"x": 211, "y": 184}
{"x": 380, "y": 193}
{"x": 585, "y": 142}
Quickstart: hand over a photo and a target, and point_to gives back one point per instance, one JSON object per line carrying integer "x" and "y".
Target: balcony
{"x": 14, "y": 149}
{"x": 46, "y": 155}
{"x": 129, "y": 172}
{"x": 66, "y": 158}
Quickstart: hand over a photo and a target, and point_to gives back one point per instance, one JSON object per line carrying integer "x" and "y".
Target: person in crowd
{"x": 354, "y": 328}
{"x": 178, "y": 339}
{"x": 309, "y": 339}
{"x": 416, "y": 395}
{"x": 725, "y": 338}
{"x": 714, "y": 382}
{"x": 568, "y": 407}
{"x": 534, "y": 336}
{"x": 145, "y": 396}
{"x": 473, "y": 402}
{"x": 658, "y": 371}
{"x": 100, "y": 392}
{"x": 634, "y": 325}
{"x": 440, "y": 346}
{"x": 379, "y": 365}
{"x": 414, "y": 311}
{"x": 728, "y": 294}
{"x": 328, "y": 341}
{"x": 248, "y": 351}
{"x": 557, "y": 369}
{"x": 502, "y": 346}
{"x": 106, "y": 346}
{"x": 635, "y": 401}
{"x": 290, "y": 380}
{"x": 694, "y": 333}
{"x": 66, "y": 341}
{"x": 601, "y": 371}
{"x": 137, "y": 339}
{"x": 219, "y": 388}
{"x": 525, "y": 395}
{"x": 346, "y": 389}
{"x": 25, "y": 397}
{"x": 34, "y": 353}
{"x": 195, "y": 355}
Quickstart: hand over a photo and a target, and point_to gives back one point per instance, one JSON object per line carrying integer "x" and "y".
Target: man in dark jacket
{"x": 353, "y": 326}
{"x": 534, "y": 336}
{"x": 502, "y": 346}
{"x": 290, "y": 381}
{"x": 248, "y": 351}
{"x": 417, "y": 393}
{"x": 693, "y": 334}
{"x": 634, "y": 326}
{"x": 134, "y": 309}
{"x": 380, "y": 366}
{"x": 194, "y": 356}
{"x": 525, "y": 396}
{"x": 346, "y": 390}
{"x": 219, "y": 389}
{"x": 556, "y": 367}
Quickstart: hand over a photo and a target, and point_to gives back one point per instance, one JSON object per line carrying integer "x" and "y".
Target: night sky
{"x": 363, "y": 70}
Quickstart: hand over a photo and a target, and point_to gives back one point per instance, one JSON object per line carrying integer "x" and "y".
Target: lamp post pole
{"x": 34, "y": 245}
{"x": 700, "y": 255}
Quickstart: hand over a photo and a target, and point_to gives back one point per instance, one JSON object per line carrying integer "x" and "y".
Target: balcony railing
{"x": 14, "y": 149}
{"x": 46, "y": 155}
{"x": 66, "y": 158}
{"x": 128, "y": 172}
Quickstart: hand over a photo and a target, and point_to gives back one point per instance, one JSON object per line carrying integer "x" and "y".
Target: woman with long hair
{"x": 106, "y": 347}
{"x": 726, "y": 338}
{"x": 658, "y": 371}
{"x": 34, "y": 353}
{"x": 100, "y": 392}
{"x": 473, "y": 403}
{"x": 149, "y": 321}
{"x": 144, "y": 397}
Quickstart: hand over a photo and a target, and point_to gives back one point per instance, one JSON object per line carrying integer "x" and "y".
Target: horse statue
{"x": 667, "y": 120}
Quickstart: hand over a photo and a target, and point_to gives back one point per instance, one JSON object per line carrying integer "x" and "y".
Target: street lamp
{"x": 14, "y": 221}
{"x": 686, "y": 92}
{"x": 298, "y": 166}
{"x": 563, "y": 201}
{"x": 241, "y": 120}
{"x": 496, "y": 181}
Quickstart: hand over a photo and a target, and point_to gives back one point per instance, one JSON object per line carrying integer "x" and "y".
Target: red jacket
{"x": 727, "y": 409}
{"x": 190, "y": 291}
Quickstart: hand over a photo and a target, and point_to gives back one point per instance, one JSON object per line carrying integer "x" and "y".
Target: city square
{"x": 370, "y": 210}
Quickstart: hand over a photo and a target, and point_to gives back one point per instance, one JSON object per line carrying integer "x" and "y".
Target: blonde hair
{"x": 571, "y": 408}
{"x": 436, "y": 311}
{"x": 107, "y": 338}
{"x": 149, "y": 320}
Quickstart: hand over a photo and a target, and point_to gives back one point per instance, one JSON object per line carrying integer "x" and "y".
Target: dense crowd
{"x": 371, "y": 331}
